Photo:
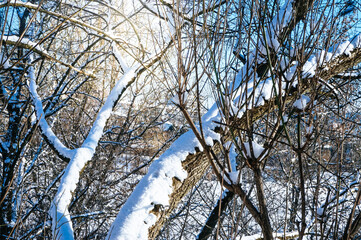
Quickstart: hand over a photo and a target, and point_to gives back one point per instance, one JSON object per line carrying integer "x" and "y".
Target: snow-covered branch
{"x": 152, "y": 194}
{"x": 73, "y": 20}
{"x": 148, "y": 204}
{"x": 46, "y": 130}
{"x": 35, "y": 47}
{"x": 61, "y": 224}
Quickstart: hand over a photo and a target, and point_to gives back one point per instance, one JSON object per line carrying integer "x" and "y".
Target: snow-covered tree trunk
{"x": 62, "y": 227}
{"x": 174, "y": 173}
{"x": 268, "y": 65}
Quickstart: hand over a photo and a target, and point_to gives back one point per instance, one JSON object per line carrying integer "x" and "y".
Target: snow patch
{"x": 275, "y": 235}
{"x": 119, "y": 56}
{"x": 302, "y": 102}
{"x": 234, "y": 177}
{"x": 183, "y": 96}
{"x": 135, "y": 217}
{"x": 343, "y": 48}
{"x": 257, "y": 149}
{"x": 23, "y": 3}
{"x": 26, "y": 41}
{"x": 322, "y": 57}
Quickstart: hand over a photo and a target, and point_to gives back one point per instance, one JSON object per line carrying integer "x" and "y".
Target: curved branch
{"x": 34, "y": 47}
{"x": 61, "y": 220}
{"x": 63, "y": 152}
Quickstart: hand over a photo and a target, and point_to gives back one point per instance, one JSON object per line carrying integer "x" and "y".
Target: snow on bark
{"x": 25, "y": 3}
{"x": 14, "y": 39}
{"x": 321, "y": 58}
{"x": 136, "y": 217}
{"x": 330, "y": 202}
{"x": 61, "y": 222}
{"x": 43, "y": 124}
{"x": 119, "y": 57}
{"x": 270, "y": 41}
{"x": 253, "y": 91}
{"x": 279, "y": 22}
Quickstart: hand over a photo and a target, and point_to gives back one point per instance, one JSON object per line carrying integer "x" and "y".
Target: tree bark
{"x": 196, "y": 164}
{"x": 215, "y": 215}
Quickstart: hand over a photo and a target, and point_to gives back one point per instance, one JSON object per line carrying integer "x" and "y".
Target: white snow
{"x": 61, "y": 224}
{"x": 170, "y": 21}
{"x": 257, "y": 149}
{"x": 285, "y": 118}
{"x": 232, "y": 156}
{"x": 356, "y": 41}
{"x": 135, "y": 218}
{"x": 310, "y": 66}
{"x": 273, "y": 31}
{"x": 290, "y": 73}
{"x": 302, "y": 102}
{"x": 254, "y": 93}
{"x": 267, "y": 89}
{"x": 283, "y": 17}
{"x": 275, "y": 235}
{"x": 343, "y": 48}
{"x": 43, "y": 124}
{"x": 15, "y": 39}
{"x": 251, "y": 92}
{"x": 167, "y": 126}
{"x": 327, "y": 146}
{"x": 22, "y": 3}
{"x": 322, "y": 57}
{"x": 119, "y": 56}
{"x": 320, "y": 211}
{"x": 234, "y": 176}
{"x": 184, "y": 97}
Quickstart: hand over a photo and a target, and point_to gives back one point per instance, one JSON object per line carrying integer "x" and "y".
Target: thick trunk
{"x": 195, "y": 165}
{"x": 266, "y": 224}
{"x": 216, "y": 213}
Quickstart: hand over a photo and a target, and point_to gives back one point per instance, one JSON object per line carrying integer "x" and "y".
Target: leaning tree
{"x": 279, "y": 71}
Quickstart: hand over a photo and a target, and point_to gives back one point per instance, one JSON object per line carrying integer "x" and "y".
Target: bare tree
{"x": 99, "y": 78}
{"x": 55, "y": 63}
{"x": 284, "y": 71}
